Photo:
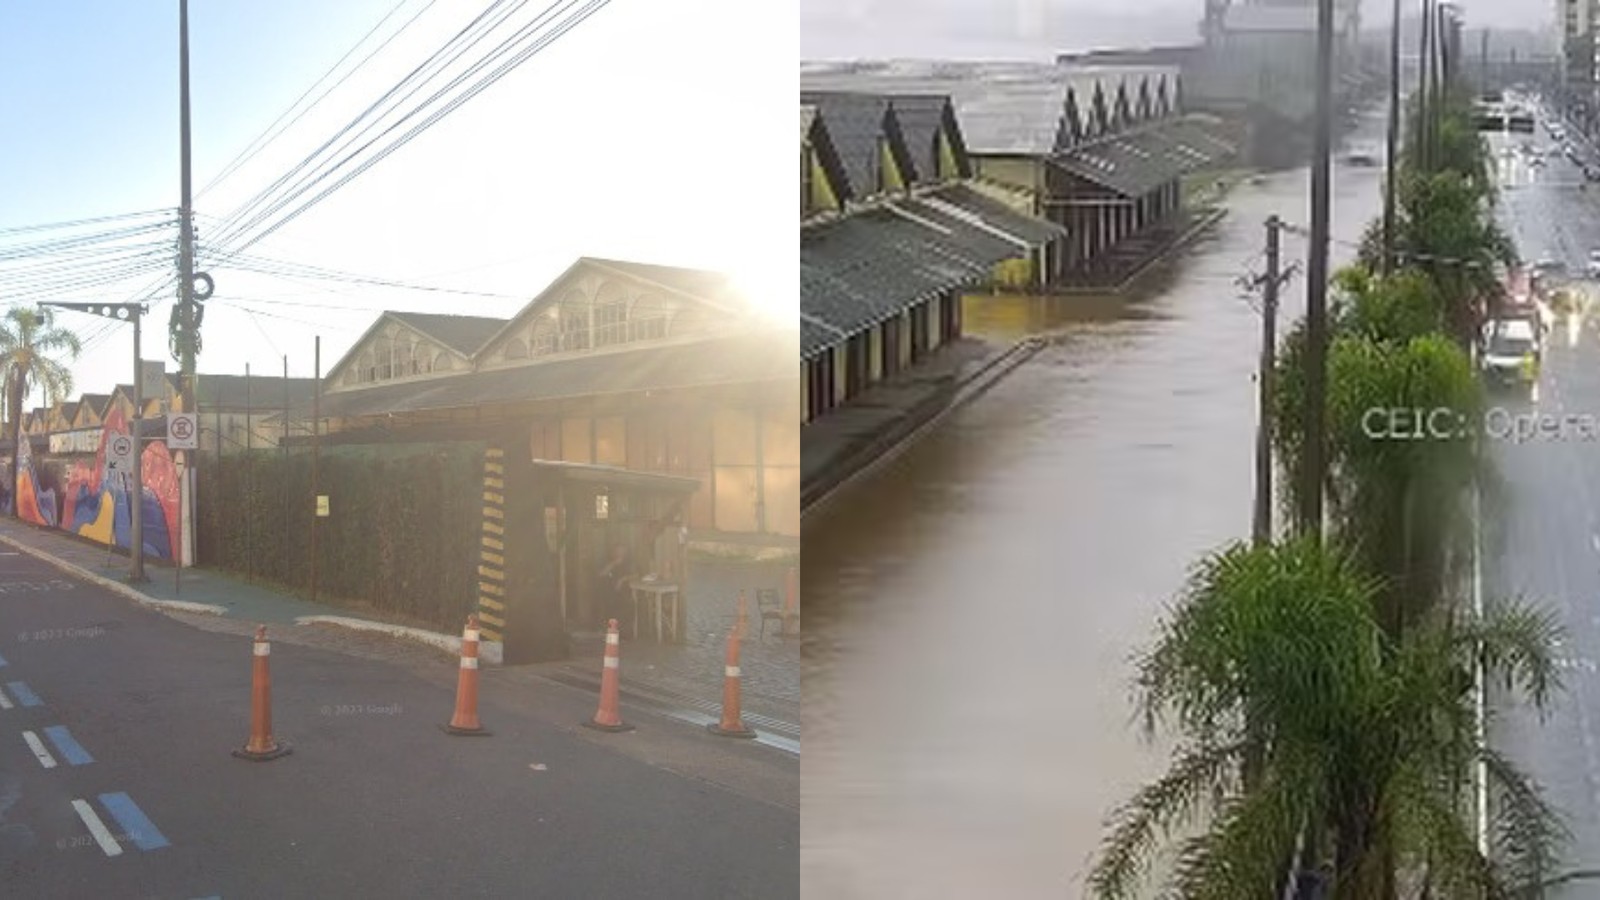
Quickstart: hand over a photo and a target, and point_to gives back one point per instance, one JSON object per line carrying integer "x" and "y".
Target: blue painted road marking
{"x": 133, "y": 821}
{"x": 70, "y": 749}
{"x": 24, "y": 695}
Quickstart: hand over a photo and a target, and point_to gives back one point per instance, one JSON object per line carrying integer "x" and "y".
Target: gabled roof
{"x": 69, "y": 411}
{"x": 463, "y": 334}
{"x": 715, "y": 289}
{"x": 746, "y": 358}
{"x": 701, "y": 284}
{"x": 460, "y": 329}
{"x": 856, "y": 124}
{"x": 96, "y": 403}
{"x": 920, "y": 118}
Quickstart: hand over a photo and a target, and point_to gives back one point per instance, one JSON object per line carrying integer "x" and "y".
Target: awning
{"x": 613, "y": 476}
{"x": 963, "y": 202}
{"x": 1136, "y": 163}
{"x": 874, "y": 265}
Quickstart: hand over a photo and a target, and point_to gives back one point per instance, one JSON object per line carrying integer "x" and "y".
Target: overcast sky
{"x": 643, "y": 134}
{"x": 1038, "y": 28}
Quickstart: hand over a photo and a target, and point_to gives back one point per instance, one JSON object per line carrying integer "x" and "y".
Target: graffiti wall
{"x": 96, "y": 502}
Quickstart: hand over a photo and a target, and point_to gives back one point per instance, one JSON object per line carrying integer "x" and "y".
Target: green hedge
{"x": 401, "y": 537}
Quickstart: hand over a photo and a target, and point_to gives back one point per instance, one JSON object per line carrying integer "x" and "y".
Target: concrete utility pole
{"x": 129, "y": 312}
{"x": 1315, "y": 462}
{"x": 1392, "y": 141}
{"x": 1261, "y": 533}
{"x": 186, "y": 317}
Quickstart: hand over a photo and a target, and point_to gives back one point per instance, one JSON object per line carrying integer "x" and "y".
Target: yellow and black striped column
{"x": 491, "y": 555}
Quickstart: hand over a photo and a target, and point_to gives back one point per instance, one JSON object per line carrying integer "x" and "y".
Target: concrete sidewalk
{"x": 684, "y": 679}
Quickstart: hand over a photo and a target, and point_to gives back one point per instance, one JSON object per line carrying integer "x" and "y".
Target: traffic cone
{"x": 607, "y": 718}
{"x": 732, "y": 725}
{"x": 791, "y": 603}
{"x": 465, "y": 721}
{"x": 261, "y": 746}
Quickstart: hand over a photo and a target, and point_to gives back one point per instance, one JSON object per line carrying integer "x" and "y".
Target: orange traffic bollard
{"x": 465, "y": 721}
{"x": 732, "y": 724}
{"x": 608, "y": 717}
{"x": 261, "y": 747}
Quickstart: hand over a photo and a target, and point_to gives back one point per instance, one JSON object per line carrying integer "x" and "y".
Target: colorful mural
{"x": 96, "y": 504}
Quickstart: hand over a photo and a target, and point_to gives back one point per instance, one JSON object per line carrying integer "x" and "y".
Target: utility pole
{"x": 316, "y": 450}
{"x": 1315, "y": 462}
{"x": 185, "y": 311}
{"x": 1262, "y": 530}
{"x": 128, "y": 312}
{"x": 1392, "y": 141}
{"x": 1420, "y": 154}
{"x": 1483, "y": 62}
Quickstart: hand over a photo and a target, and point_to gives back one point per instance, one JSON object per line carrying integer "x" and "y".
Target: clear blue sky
{"x": 642, "y": 134}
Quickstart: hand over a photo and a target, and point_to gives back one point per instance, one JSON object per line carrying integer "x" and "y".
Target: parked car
{"x": 1593, "y": 268}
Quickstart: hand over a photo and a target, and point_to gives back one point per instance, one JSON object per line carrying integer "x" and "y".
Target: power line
{"x": 75, "y": 223}
{"x": 589, "y": 9}
{"x": 266, "y": 193}
{"x": 265, "y": 266}
{"x": 259, "y": 144}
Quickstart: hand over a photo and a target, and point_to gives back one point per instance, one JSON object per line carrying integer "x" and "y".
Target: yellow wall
{"x": 823, "y": 196}
{"x": 893, "y": 180}
{"x": 1015, "y": 274}
{"x": 947, "y": 158}
{"x": 1018, "y": 173}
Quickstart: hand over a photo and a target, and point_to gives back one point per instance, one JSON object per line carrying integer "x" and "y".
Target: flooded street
{"x": 973, "y": 609}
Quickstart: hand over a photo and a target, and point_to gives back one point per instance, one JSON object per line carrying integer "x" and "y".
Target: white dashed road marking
{"x": 102, "y": 835}
{"x": 39, "y": 752}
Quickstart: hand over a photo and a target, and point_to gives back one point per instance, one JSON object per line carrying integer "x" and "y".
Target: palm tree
{"x": 1297, "y": 717}
{"x": 28, "y": 340}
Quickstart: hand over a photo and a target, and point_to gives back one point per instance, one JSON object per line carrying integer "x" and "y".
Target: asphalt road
{"x": 119, "y": 720}
{"x": 1542, "y": 531}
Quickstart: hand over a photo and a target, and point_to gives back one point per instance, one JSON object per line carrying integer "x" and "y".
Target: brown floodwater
{"x": 972, "y": 610}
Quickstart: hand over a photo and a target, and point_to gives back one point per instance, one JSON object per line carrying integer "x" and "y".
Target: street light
{"x": 128, "y": 312}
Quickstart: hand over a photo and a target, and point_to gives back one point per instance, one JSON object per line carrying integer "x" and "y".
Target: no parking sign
{"x": 183, "y": 432}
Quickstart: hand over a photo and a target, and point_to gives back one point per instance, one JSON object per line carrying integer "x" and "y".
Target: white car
{"x": 1593, "y": 268}
{"x": 1510, "y": 352}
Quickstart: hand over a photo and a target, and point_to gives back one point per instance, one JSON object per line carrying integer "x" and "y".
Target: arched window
{"x": 367, "y": 368}
{"x": 610, "y": 315}
{"x": 443, "y": 363}
{"x": 383, "y": 362}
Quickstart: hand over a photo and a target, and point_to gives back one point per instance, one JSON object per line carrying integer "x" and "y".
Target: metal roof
{"x": 463, "y": 334}
{"x": 745, "y": 358}
{"x": 856, "y": 127}
{"x": 863, "y": 269}
{"x": 1138, "y": 162}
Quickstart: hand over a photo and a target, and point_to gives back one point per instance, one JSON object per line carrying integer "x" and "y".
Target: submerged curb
{"x": 111, "y": 584}
{"x": 879, "y": 453}
{"x": 488, "y": 651}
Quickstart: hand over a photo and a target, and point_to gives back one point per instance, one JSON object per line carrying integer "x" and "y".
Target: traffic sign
{"x": 183, "y": 432}
{"x": 119, "y": 453}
